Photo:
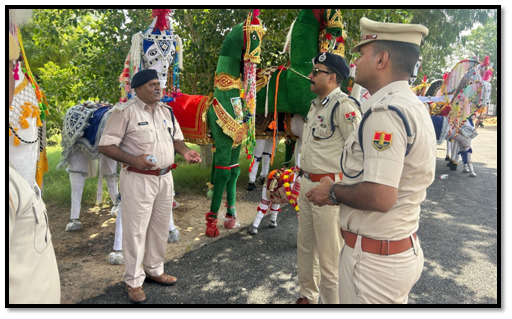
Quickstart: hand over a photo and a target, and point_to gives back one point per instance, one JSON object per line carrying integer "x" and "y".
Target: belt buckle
{"x": 384, "y": 243}
{"x": 306, "y": 175}
{"x": 162, "y": 171}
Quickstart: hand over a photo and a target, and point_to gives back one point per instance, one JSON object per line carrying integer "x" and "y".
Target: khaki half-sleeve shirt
{"x": 325, "y": 132}
{"x": 384, "y": 162}
{"x": 33, "y": 271}
{"x": 135, "y": 129}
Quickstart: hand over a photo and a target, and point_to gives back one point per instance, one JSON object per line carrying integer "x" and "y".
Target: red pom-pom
{"x": 486, "y": 61}
{"x": 425, "y": 79}
{"x": 340, "y": 40}
{"x": 445, "y": 76}
{"x": 255, "y": 12}
{"x": 328, "y": 36}
{"x": 487, "y": 76}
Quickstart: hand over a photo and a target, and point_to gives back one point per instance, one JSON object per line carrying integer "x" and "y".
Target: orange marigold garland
{"x": 292, "y": 194}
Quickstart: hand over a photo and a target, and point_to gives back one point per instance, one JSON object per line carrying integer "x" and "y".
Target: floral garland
{"x": 292, "y": 194}
{"x": 248, "y": 94}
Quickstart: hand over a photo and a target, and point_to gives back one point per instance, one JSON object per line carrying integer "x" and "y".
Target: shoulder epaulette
{"x": 382, "y": 105}
{"x": 120, "y": 107}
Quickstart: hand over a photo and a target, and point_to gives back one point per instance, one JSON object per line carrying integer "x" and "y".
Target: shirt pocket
{"x": 321, "y": 130}
{"x": 42, "y": 235}
{"x": 144, "y": 135}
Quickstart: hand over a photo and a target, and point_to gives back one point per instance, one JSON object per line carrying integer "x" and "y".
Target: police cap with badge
{"x": 335, "y": 62}
{"x": 381, "y": 31}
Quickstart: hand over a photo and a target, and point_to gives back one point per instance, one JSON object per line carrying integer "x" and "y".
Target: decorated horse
{"x": 280, "y": 89}
{"x": 232, "y": 114}
{"x": 82, "y": 128}
{"x": 27, "y": 121}
{"x": 453, "y": 103}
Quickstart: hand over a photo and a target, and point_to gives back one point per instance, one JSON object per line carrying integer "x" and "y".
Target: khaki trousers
{"x": 319, "y": 244}
{"x": 367, "y": 278}
{"x": 146, "y": 203}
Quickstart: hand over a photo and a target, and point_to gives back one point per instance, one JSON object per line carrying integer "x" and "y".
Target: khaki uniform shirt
{"x": 321, "y": 148}
{"x": 136, "y": 130}
{"x": 384, "y": 162}
{"x": 33, "y": 271}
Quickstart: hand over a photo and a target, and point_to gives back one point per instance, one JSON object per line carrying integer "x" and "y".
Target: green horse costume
{"x": 231, "y": 116}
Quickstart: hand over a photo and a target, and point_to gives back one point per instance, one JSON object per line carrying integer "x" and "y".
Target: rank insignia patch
{"x": 382, "y": 140}
{"x": 350, "y": 117}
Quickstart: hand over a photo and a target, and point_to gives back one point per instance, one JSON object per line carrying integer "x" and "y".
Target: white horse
{"x": 83, "y": 126}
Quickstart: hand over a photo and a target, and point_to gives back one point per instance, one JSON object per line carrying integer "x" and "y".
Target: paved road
{"x": 458, "y": 231}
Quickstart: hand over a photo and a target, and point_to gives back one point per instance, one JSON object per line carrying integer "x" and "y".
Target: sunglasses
{"x": 316, "y": 70}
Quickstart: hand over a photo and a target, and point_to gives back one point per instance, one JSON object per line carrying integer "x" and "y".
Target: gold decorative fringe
{"x": 226, "y": 82}
{"x": 238, "y": 132}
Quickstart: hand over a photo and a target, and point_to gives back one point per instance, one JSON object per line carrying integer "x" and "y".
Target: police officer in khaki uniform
{"x": 144, "y": 135}
{"x": 388, "y": 163}
{"x": 33, "y": 271}
{"x": 331, "y": 119}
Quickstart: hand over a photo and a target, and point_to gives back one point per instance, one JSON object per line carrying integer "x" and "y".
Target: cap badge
{"x": 322, "y": 57}
{"x": 370, "y": 36}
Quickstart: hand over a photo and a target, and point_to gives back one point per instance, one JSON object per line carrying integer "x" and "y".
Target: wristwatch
{"x": 332, "y": 196}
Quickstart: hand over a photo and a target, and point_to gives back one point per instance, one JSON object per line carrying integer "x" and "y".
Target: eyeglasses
{"x": 316, "y": 70}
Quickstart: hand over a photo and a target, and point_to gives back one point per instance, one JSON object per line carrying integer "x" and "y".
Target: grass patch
{"x": 190, "y": 179}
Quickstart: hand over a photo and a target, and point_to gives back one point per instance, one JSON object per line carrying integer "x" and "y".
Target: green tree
{"x": 446, "y": 28}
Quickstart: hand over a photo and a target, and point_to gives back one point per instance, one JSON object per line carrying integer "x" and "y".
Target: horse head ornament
{"x": 332, "y": 36}
{"x": 156, "y": 48}
{"x": 253, "y": 33}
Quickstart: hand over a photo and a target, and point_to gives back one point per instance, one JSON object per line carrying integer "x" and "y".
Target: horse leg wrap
{"x": 118, "y": 235}
{"x": 230, "y": 219}
{"x": 274, "y": 210}
{"x": 77, "y": 187}
{"x": 466, "y": 155}
{"x": 259, "y": 217}
{"x": 265, "y": 167}
{"x": 211, "y": 225}
{"x": 471, "y": 170}
{"x": 254, "y": 172}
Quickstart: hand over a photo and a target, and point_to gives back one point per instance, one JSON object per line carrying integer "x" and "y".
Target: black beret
{"x": 142, "y": 77}
{"x": 335, "y": 62}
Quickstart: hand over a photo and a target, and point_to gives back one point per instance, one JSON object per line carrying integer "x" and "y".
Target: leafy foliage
{"x": 78, "y": 54}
